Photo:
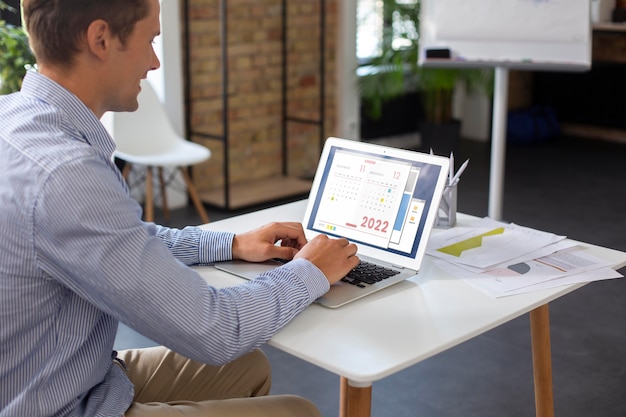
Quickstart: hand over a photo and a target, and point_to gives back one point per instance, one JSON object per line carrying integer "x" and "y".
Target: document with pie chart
{"x": 505, "y": 259}
{"x": 565, "y": 266}
{"x": 485, "y": 243}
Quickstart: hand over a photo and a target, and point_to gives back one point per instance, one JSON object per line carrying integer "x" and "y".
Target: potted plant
{"x": 396, "y": 72}
{"x": 16, "y": 56}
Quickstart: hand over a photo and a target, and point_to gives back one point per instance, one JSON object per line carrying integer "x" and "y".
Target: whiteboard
{"x": 513, "y": 33}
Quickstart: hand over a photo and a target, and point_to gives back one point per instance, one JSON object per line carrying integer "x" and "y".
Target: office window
{"x": 369, "y": 28}
{"x": 383, "y": 22}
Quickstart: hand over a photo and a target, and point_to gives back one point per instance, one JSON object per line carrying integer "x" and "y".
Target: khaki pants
{"x": 169, "y": 385}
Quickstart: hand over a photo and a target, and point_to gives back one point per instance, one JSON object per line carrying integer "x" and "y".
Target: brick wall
{"x": 254, "y": 50}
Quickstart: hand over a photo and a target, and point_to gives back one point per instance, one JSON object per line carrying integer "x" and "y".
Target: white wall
{"x": 168, "y": 80}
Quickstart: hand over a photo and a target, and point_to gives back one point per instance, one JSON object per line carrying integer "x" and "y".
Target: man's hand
{"x": 334, "y": 257}
{"x": 260, "y": 244}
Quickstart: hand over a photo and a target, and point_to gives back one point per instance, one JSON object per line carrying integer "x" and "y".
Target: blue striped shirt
{"x": 75, "y": 259}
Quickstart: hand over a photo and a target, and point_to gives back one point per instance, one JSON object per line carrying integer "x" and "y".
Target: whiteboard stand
{"x": 499, "y": 114}
{"x": 498, "y": 142}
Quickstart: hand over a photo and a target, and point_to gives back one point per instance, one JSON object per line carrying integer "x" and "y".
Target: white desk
{"x": 414, "y": 320}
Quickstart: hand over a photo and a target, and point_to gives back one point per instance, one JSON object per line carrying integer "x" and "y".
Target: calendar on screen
{"x": 382, "y": 198}
{"x": 370, "y": 199}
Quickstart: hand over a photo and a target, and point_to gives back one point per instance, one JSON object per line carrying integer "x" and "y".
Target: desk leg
{"x": 542, "y": 361}
{"x": 354, "y": 401}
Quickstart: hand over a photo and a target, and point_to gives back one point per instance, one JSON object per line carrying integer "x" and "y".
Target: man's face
{"x": 131, "y": 62}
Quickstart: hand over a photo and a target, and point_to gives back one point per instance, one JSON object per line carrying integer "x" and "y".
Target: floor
{"x": 568, "y": 186}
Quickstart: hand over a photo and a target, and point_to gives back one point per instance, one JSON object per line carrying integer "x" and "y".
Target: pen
{"x": 456, "y": 177}
{"x": 451, "y": 172}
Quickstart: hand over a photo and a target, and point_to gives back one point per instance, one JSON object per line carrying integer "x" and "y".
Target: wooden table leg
{"x": 354, "y": 401}
{"x": 191, "y": 190}
{"x": 542, "y": 361}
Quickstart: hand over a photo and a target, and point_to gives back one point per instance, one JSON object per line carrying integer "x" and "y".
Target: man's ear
{"x": 99, "y": 39}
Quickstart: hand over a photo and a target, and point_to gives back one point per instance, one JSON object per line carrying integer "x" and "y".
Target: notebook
{"x": 381, "y": 198}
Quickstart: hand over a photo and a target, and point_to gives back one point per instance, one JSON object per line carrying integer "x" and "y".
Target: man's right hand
{"x": 334, "y": 257}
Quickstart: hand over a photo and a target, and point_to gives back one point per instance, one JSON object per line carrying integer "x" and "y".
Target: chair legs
{"x": 126, "y": 171}
{"x": 148, "y": 210}
{"x": 166, "y": 210}
{"x": 191, "y": 189}
{"x": 149, "y": 197}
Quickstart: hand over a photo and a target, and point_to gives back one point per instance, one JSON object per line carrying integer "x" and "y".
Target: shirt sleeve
{"x": 90, "y": 238}
{"x": 193, "y": 245}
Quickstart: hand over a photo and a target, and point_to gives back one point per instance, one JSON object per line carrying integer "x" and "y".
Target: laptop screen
{"x": 378, "y": 200}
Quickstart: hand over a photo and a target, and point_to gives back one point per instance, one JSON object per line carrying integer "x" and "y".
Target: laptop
{"x": 381, "y": 198}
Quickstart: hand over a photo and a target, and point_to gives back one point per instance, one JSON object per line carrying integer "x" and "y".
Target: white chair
{"x": 146, "y": 137}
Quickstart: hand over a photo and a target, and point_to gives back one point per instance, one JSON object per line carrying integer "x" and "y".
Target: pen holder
{"x": 446, "y": 215}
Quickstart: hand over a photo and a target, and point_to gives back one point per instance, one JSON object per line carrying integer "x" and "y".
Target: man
{"x": 75, "y": 257}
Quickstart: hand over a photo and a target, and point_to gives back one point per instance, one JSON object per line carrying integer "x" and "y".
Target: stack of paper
{"x": 506, "y": 259}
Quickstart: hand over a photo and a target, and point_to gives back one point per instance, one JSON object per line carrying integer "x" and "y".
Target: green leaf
{"x": 15, "y": 57}
{"x": 395, "y": 72}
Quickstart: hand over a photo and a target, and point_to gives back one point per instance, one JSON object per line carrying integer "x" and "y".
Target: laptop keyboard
{"x": 364, "y": 274}
{"x": 368, "y": 273}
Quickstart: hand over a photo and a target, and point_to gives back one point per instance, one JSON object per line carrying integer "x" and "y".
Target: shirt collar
{"x": 41, "y": 88}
